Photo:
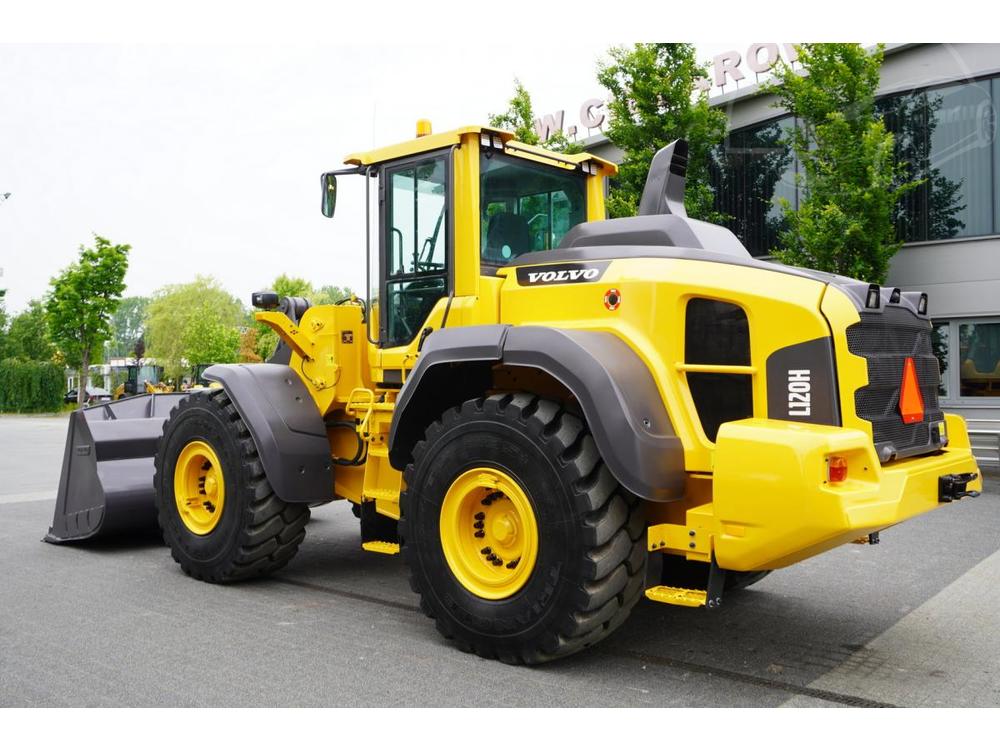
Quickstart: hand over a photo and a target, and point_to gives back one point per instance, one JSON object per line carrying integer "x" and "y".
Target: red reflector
{"x": 838, "y": 468}
{"x": 911, "y": 403}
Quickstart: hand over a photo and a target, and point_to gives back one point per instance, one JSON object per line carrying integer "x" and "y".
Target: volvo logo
{"x": 561, "y": 273}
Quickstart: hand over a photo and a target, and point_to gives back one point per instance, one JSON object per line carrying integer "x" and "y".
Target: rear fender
{"x": 613, "y": 386}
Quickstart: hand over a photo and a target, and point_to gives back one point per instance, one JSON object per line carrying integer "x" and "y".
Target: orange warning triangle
{"x": 911, "y": 403}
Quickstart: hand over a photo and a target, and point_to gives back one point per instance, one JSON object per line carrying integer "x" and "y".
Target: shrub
{"x": 30, "y": 386}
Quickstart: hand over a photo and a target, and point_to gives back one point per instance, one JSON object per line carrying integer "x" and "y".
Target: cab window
{"x": 526, "y": 207}
{"x": 415, "y": 246}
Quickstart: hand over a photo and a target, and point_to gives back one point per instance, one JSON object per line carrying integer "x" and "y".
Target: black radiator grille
{"x": 885, "y": 339}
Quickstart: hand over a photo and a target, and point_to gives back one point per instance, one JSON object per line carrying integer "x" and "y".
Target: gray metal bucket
{"x": 106, "y": 484}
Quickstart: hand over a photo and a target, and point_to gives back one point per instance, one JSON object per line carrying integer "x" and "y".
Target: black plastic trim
{"x": 286, "y": 427}
{"x": 612, "y": 384}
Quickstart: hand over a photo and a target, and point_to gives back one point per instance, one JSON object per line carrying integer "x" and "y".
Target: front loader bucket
{"x": 106, "y": 484}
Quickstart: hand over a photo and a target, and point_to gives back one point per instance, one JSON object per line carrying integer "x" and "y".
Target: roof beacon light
{"x": 894, "y": 297}
{"x": 911, "y": 402}
{"x": 423, "y": 128}
{"x": 922, "y": 304}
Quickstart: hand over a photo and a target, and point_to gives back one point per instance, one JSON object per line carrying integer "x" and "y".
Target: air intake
{"x": 664, "y": 190}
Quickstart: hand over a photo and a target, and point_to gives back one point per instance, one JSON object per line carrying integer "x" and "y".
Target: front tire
{"x": 522, "y": 545}
{"x": 216, "y": 509}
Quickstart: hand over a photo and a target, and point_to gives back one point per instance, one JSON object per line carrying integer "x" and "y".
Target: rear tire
{"x": 588, "y": 553}
{"x": 255, "y": 532}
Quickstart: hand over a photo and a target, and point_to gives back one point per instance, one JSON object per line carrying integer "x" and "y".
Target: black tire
{"x": 591, "y": 560}
{"x": 257, "y": 532}
{"x": 691, "y": 574}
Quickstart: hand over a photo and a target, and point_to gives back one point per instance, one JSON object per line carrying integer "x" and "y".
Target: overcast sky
{"x": 206, "y": 159}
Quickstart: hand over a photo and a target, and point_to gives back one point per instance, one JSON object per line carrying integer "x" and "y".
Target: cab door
{"x": 416, "y": 257}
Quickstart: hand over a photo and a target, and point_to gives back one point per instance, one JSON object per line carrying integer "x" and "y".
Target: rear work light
{"x": 836, "y": 469}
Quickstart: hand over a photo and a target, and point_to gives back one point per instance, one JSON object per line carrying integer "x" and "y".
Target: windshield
{"x": 526, "y": 207}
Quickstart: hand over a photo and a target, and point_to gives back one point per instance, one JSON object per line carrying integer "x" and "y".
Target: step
{"x": 677, "y": 596}
{"x": 385, "y": 548}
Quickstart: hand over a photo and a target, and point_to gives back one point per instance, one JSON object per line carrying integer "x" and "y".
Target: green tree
{"x": 331, "y": 294}
{"x": 3, "y": 323}
{"x": 128, "y": 324}
{"x": 520, "y": 119}
{"x": 651, "y": 105}
{"x": 292, "y": 286}
{"x": 851, "y": 179}
{"x": 28, "y": 337}
{"x": 82, "y": 300}
{"x": 194, "y": 323}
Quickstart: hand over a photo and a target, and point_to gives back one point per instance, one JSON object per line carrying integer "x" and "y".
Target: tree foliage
{"x": 28, "y": 337}
{"x": 519, "y": 118}
{"x": 3, "y": 323}
{"x": 82, "y": 300}
{"x": 30, "y": 386}
{"x": 651, "y": 105}
{"x": 194, "y": 323}
{"x": 850, "y": 174}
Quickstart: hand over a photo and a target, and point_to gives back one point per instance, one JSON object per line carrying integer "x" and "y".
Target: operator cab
{"x": 528, "y": 200}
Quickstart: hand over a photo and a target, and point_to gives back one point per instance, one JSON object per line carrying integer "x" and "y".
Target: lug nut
{"x": 487, "y": 550}
{"x": 479, "y": 534}
{"x": 480, "y": 516}
{"x": 478, "y": 525}
{"x": 513, "y": 563}
{"x": 497, "y": 561}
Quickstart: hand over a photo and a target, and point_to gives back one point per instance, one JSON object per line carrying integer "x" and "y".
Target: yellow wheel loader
{"x": 539, "y": 406}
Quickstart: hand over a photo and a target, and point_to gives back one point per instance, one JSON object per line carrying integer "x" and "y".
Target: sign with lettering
{"x": 727, "y": 68}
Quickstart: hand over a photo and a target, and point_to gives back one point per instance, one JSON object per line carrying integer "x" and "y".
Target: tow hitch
{"x": 952, "y": 486}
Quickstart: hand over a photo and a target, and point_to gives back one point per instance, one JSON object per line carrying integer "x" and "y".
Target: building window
{"x": 945, "y": 138}
{"x": 750, "y": 172}
{"x": 717, "y": 336}
{"x": 979, "y": 344}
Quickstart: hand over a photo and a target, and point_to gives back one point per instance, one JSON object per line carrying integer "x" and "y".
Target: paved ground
{"x": 912, "y": 621}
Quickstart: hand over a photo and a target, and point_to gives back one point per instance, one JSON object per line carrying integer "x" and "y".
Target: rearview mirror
{"x": 329, "y": 184}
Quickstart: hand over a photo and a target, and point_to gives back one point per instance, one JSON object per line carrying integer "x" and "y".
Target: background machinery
{"x": 539, "y": 407}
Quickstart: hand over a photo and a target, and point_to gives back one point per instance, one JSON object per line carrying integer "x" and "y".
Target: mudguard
{"x": 286, "y": 427}
{"x": 613, "y": 386}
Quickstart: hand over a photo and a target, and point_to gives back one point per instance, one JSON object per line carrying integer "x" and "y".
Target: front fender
{"x": 286, "y": 427}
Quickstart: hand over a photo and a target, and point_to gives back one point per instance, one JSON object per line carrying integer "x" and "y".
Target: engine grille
{"x": 885, "y": 339}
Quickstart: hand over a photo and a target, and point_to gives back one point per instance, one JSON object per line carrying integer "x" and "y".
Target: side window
{"x": 526, "y": 207}
{"x": 415, "y": 243}
{"x": 717, "y": 333}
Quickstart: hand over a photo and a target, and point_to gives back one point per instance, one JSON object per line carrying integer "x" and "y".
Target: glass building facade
{"x": 945, "y": 135}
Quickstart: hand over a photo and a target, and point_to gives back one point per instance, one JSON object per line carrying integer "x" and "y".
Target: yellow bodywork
{"x": 756, "y": 498}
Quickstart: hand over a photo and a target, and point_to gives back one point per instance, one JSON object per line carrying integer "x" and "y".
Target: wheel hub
{"x": 489, "y": 534}
{"x": 199, "y": 487}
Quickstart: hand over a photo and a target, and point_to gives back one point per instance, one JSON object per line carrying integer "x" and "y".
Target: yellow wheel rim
{"x": 489, "y": 533}
{"x": 199, "y": 487}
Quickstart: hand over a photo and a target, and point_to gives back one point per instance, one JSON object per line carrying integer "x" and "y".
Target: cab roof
{"x": 434, "y": 141}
